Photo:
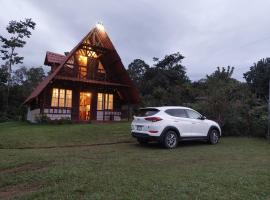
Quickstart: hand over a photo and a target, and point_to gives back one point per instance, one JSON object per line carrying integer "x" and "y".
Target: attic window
{"x": 82, "y": 60}
{"x": 101, "y": 68}
{"x": 92, "y": 54}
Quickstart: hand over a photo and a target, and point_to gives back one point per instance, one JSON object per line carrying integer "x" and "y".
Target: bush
{"x": 42, "y": 118}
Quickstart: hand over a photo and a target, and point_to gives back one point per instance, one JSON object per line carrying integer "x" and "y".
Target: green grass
{"x": 236, "y": 168}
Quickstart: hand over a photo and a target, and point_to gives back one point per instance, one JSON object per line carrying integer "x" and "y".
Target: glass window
{"x": 61, "y": 98}
{"x": 82, "y": 72}
{"x": 82, "y": 60}
{"x": 193, "y": 114}
{"x": 177, "y": 112}
{"x": 145, "y": 112}
{"x": 101, "y": 68}
{"x": 54, "y": 102}
{"x": 109, "y": 103}
{"x": 100, "y": 101}
{"x": 69, "y": 98}
{"x": 105, "y": 101}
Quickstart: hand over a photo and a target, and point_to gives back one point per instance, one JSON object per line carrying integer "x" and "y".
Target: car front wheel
{"x": 214, "y": 136}
{"x": 170, "y": 140}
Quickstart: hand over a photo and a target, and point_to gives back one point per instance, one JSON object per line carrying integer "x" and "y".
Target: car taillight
{"x": 153, "y": 119}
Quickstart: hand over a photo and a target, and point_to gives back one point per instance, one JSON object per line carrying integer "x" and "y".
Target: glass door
{"x": 85, "y": 106}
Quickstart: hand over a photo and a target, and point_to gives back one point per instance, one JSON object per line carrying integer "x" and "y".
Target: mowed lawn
{"x": 63, "y": 162}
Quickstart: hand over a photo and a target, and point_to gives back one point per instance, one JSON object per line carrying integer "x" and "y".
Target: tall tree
{"x": 136, "y": 70}
{"x": 165, "y": 83}
{"x": 258, "y": 78}
{"x": 17, "y": 31}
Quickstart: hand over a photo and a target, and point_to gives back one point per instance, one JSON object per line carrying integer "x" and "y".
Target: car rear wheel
{"x": 170, "y": 140}
{"x": 142, "y": 141}
{"x": 214, "y": 136}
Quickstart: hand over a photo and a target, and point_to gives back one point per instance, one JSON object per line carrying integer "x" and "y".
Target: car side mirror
{"x": 202, "y": 117}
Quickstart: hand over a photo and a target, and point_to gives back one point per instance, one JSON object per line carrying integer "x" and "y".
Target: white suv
{"x": 170, "y": 124}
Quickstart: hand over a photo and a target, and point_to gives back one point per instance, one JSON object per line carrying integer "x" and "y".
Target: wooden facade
{"x": 88, "y": 83}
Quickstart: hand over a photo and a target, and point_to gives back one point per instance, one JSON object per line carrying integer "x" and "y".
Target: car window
{"x": 177, "y": 112}
{"x": 193, "y": 114}
{"x": 145, "y": 112}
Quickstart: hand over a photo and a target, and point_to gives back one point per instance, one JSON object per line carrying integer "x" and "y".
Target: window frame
{"x": 57, "y": 98}
{"x": 105, "y": 102}
{"x": 177, "y": 109}
{"x": 200, "y": 115}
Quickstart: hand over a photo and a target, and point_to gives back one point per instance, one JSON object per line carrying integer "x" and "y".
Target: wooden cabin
{"x": 88, "y": 83}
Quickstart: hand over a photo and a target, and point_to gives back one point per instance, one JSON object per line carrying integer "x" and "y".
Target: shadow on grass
{"x": 181, "y": 144}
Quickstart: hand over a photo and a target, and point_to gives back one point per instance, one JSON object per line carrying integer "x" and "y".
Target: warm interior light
{"x": 93, "y": 54}
{"x": 82, "y": 60}
{"x": 100, "y": 26}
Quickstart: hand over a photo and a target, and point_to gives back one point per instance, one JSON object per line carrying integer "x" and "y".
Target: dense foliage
{"x": 233, "y": 104}
{"x": 17, "y": 32}
{"x": 23, "y": 81}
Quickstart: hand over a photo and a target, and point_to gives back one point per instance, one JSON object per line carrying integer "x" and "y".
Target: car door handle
{"x": 193, "y": 123}
{"x": 175, "y": 121}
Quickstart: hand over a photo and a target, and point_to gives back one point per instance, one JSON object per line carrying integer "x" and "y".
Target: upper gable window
{"x": 101, "y": 68}
{"x": 82, "y": 60}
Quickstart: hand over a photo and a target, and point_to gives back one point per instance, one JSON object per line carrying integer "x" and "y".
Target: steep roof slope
{"x": 99, "y": 38}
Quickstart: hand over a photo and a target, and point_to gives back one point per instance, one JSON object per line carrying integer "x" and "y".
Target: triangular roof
{"x": 53, "y": 58}
{"x": 98, "y": 38}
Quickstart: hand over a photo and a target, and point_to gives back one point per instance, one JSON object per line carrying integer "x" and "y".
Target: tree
{"x": 24, "y": 80}
{"x": 258, "y": 78}
{"x": 136, "y": 70}
{"x": 222, "y": 73}
{"x": 229, "y": 102}
{"x": 165, "y": 83}
{"x": 18, "y": 31}
{"x": 3, "y": 74}
{"x": 34, "y": 75}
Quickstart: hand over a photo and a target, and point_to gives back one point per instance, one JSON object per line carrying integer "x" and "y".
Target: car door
{"x": 180, "y": 120}
{"x": 199, "y": 126}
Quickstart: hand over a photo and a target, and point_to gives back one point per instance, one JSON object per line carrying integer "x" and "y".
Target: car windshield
{"x": 145, "y": 112}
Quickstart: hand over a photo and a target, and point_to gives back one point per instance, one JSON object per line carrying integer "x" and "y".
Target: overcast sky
{"x": 209, "y": 33}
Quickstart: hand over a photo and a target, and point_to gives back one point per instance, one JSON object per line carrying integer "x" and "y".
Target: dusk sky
{"x": 209, "y": 33}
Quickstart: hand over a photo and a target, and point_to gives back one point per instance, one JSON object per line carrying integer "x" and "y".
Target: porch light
{"x": 100, "y": 26}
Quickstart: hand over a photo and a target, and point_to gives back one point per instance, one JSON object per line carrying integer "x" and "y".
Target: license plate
{"x": 139, "y": 128}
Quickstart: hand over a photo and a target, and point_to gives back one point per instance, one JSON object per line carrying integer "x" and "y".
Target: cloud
{"x": 209, "y": 33}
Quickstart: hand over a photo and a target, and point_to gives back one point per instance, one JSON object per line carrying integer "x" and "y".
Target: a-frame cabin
{"x": 88, "y": 83}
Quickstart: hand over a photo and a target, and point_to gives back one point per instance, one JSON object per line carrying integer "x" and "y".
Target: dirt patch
{"x": 18, "y": 190}
{"x": 73, "y": 146}
{"x": 25, "y": 167}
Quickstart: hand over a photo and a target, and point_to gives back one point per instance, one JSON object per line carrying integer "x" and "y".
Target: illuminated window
{"x": 82, "y": 60}
{"x": 69, "y": 98}
{"x": 100, "y": 101}
{"x": 61, "y": 98}
{"x": 105, "y": 101}
{"x": 110, "y": 102}
{"x": 92, "y": 54}
{"x": 101, "y": 68}
{"x": 82, "y": 72}
{"x": 55, "y": 97}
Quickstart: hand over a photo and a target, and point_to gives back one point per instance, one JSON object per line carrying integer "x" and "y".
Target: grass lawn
{"x": 236, "y": 168}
